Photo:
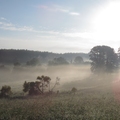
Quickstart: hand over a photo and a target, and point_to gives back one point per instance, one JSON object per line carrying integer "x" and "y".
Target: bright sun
{"x": 107, "y": 21}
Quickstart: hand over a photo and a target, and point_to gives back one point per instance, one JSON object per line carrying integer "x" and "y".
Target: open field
{"x": 84, "y": 105}
{"x": 97, "y": 98}
{"x": 16, "y": 76}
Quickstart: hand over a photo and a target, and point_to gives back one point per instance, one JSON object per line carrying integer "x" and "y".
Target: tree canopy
{"x": 119, "y": 55}
{"x": 58, "y": 61}
{"x": 33, "y": 62}
{"x": 41, "y": 86}
{"x": 5, "y": 91}
{"x": 78, "y": 60}
{"x": 103, "y": 58}
{"x": 37, "y": 87}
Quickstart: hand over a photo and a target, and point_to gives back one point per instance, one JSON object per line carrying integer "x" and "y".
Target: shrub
{"x": 5, "y": 91}
{"x": 74, "y": 90}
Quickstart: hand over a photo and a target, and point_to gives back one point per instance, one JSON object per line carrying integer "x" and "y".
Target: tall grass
{"x": 84, "y": 105}
{"x": 95, "y": 99}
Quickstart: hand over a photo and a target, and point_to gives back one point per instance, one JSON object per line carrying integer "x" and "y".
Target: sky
{"x": 59, "y": 26}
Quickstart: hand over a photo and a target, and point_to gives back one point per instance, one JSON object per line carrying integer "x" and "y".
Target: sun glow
{"x": 106, "y": 23}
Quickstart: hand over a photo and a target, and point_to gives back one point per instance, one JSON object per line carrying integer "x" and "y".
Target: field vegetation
{"x": 96, "y": 97}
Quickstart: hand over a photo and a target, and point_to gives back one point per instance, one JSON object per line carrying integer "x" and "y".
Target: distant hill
{"x": 11, "y": 56}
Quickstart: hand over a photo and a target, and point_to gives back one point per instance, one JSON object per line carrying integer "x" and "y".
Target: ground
{"x": 97, "y": 98}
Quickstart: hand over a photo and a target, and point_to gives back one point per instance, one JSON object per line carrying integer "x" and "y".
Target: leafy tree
{"x": 32, "y": 88}
{"x": 39, "y": 87}
{"x": 44, "y": 82}
{"x": 33, "y": 62}
{"x": 103, "y": 58}
{"x": 5, "y": 91}
{"x": 58, "y": 61}
{"x": 78, "y": 60}
{"x": 119, "y": 55}
{"x": 26, "y": 86}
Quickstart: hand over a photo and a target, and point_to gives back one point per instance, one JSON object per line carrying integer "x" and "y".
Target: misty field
{"x": 15, "y": 77}
{"x": 97, "y": 98}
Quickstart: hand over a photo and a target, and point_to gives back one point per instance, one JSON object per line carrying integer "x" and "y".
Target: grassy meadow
{"x": 97, "y": 98}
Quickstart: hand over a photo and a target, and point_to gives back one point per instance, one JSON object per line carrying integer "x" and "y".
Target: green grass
{"x": 84, "y": 105}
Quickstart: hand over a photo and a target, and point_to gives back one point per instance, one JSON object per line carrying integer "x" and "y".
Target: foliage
{"x": 74, "y": 90}
{"x": 17, "y": 64}
{"x": 12, "y": 55}
{"x": 119, "y": 55}
{"x": 103, "y": 58}
{"x": 33, "y": 88}
{"x": 5, "y": 91}
{"x": 33, "y": 62}
{"x": 58, "y": 61}
{"x": 39, "y": 87}
{"x": 85, "y": 105}
{"x": 44, "y": 82}
{"x": 78, "y": 60}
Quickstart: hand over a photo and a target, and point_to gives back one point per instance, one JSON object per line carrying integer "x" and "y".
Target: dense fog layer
{"x": 70, "y": 76}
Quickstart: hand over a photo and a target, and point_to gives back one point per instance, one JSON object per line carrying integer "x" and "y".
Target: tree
{"x": 17, "y": 64}
{"x": 5, "y": 91}
{"x": 74, "y": 90}
{"x": 119, "y": 55}
{"x": 33, "y": 62}
{"x": 78, "y": 60}
{"x": 32, "y": 88}
{"x": 44, "y": 82}
{"x": 103, "y": 58}
{"x": 58, "y": 61}
{"x": 39, "y": 87}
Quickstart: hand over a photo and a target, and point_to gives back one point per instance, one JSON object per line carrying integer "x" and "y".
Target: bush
{"x": 5, "y": 91}
{"x": 74, "y": 90}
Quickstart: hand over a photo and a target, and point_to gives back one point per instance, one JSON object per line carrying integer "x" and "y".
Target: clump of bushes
{"x": 37, "y": 87}
{"x": 5, "y": 91}
{"x": 41, "y": 86}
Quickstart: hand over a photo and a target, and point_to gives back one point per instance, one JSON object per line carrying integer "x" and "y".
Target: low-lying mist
{"x": 70, "y": 76}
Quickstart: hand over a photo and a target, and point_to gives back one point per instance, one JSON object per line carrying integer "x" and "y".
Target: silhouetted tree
{"x": 32, "y": 88}
{"x": 44, "y": 82}
{"x": 78, "y": 60}
{"x": 103, "y": 58}
{"x": 5, "y": 91}
{"x": 39, "y": 87}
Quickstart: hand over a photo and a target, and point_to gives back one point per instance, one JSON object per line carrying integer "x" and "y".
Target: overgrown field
{"x": 97, "y": 98}
{"x": 15, "y": 77}
{"x": 84, "y": 105}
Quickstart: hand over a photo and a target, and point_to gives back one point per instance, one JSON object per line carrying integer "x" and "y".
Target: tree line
{"x": 10, "y": 56}
{"x": 103, "y": 60}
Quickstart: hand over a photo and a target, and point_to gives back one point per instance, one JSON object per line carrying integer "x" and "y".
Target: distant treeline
{"x": 11, "y": 56}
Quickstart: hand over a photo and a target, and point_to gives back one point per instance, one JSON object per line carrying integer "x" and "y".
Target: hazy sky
{"x": 59, "y": 25}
